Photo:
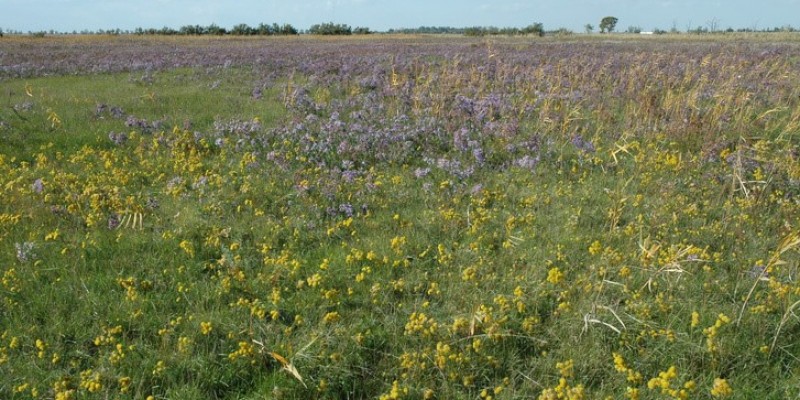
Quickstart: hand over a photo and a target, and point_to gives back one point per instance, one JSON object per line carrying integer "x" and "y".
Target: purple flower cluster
{"x": 581, "y": 144}
{"x": 119, "y": 138}
{"x": 38, "y": 186}
{"x": 103, "y": 109}
{"x": 25, "y": 251}
{"x": 146, "y": 127}
{"x": 351, "y": 107}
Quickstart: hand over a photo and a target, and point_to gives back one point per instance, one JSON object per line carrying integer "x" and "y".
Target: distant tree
{"x": 1, "y": 32}
{"x": 562, "y": 32}
{"x": 431, "y": 30}
{"x": 167, "y": 31}
{"x": 214, "y": 29}
{"x": 474, "y": 31}
{"x": 264, "y": 30}
{"x": 243, "y": 30}
{"x": 287, "y": 29}
{"x": 713, "y": 25}
{"x": 509, "y": 31}
{"x": 191, "y": 30}
{"x": 362, "y": 31}
{"x": 329, "y": 28}
{"x": 699, "y": 30}
{"x": 536, "y": 28}
{"x": 588, "y": 28}
{"x": 607, "y": 24}
{"x": 634, "y": 29}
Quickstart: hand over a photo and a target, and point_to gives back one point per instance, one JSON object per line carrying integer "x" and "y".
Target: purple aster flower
{"x": 421, "y": 172}
{"x": 38, "y": 186}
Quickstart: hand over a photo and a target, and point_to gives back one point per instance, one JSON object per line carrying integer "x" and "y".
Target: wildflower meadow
{"x": 400, "y": 217}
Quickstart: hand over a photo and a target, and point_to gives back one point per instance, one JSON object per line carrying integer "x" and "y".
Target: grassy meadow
{"x": 402, "y": 217}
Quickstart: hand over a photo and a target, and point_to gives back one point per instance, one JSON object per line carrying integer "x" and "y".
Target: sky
{"x": 381, "y": 15}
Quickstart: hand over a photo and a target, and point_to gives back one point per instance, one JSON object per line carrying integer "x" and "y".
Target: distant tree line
{"x": 431, "y": 30}
{"x": 216, "y": 30}
{"x": 187, "y": 30}
{"x": 533, "y": 29}
{"x": 607, "y": 25}
{"x": 330, "y": 28}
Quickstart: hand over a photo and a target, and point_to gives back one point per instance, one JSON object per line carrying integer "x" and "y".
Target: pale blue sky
{"x": 69, "y": 15}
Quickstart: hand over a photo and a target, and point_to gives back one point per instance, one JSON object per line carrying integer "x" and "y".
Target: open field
{"x": 400, "y": 217}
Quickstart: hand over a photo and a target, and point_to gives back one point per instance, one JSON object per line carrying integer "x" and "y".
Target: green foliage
{"x": 607, "y": 24}
{"x": 330, "y": 28}
{"x": 192, "y": 30}
{"x": 619, "y": 262}
{"x": 429, "y": 30}
{"x": 243, "y": 30}
{"x": 237, "y": 30}
{"x": 536, "y": 28}
{"x": 216, "y": 30}
{"x": 562, "y": 32}
{"x": 533, "y": 29}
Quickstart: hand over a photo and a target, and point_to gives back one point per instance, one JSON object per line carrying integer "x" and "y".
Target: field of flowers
{"x": 400, "y": 217}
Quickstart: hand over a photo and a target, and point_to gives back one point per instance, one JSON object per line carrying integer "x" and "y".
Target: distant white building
{"x": 645, "y": 33}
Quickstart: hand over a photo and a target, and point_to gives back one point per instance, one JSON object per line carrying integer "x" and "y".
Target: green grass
{"x": 191, "y": 99}
{"x": 232, "y": 273}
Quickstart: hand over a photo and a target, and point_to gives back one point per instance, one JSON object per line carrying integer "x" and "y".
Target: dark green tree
{"x": 264, "y": 29}
{"x": 536, "y": 28}
{"x": 287, "y": 29}
{"x": 215, "y": 29}
{"x": 243, "y": 30}
{"x": 329, "y": 28}
{"x": 607, "y": 24}
{"x": 192, "y": 30}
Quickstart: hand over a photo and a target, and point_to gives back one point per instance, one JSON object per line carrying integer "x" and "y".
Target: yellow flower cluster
{"x": 721, "y": 388}
{"x": 421, "y": 324}
{"x": 712, "y": 332}
{"x": 664, "y": 382}
{"x": 564, "y": 390}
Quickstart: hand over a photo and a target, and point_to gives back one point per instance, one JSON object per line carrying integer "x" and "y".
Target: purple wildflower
{"x": 479, "y": 156}
{"x": 116, "y": 112}
{"x": 113, "y": 221}
{"x": 581, "y": 144}
{"x": 346, "y": 209}
{"x": 25, "y": 251}
{"x": 38, "y": 186}
{"x": 421, "y": 172}
{"x": 527, "y": 162}
{"x": 118, "y": 138}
